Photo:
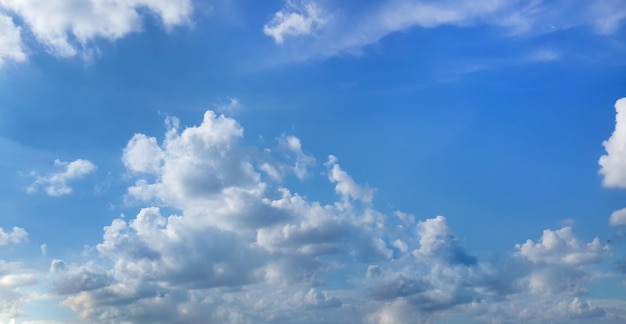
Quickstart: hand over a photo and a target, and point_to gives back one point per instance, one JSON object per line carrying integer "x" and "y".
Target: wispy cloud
{"x": 350, "y": 32}
{"x": 296, "y": 19}
{"x": 56, "y": 183}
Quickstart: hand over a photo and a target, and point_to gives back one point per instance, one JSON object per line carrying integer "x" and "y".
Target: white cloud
{"x": 295, "y": 19}
{"x": 618, "y": 217}
{"x": 350, "y": 32}
{"x": 16, "y": 236}
{"x": 11, "y": 47}
{"x": 562, "y": 247}
{"x": 438, "y": 241}
{"x": 67, "y": 27}
{"x": 56, "y": 184}
{"x": 143, "y": 154}
{"x": 345, "y": 185}
{"x": 613, "y": 164}
{"x": 14, "y": 277}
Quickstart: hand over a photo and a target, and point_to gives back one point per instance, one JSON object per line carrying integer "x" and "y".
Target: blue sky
{"x": 399, "y": 161}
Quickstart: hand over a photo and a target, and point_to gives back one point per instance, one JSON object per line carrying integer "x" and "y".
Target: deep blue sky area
{"x": 401, "y": 161}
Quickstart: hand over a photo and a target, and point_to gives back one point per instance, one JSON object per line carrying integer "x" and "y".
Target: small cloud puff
{"x": 55, "y": 183}
{"x": 16, "y": 236}
{"x": 295, "y": 19}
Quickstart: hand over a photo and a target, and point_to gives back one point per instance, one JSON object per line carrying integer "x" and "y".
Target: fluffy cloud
{"x": 562, "y": 247}
{"x": 618, "y": 217}
{"x": 16, "y": 236}
{"x": 296, "y": 19}
{"x": 55, "y": 183}
{"x": 613, "y": 164}
{"x": 66, "y": 28}
{"x": 11, "y": 47}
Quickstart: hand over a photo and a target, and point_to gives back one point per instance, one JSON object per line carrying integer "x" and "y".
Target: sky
{"x": 391, "y": 161}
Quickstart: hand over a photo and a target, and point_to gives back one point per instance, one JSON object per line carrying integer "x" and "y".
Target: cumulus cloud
{"x": 613, "y": 163}
{"x": 56, "y": 183}
{"x": 295, "y": 19}
{"x": 437, "y": 240}
{"x": 11, "y": 47}
{"x": 16, "y": 236}
{"x": 562, "y": 247}
{"x": 67, "y": 28}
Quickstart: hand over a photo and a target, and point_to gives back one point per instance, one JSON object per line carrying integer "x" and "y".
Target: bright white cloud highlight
{"x": 613, "y": 163}
{"x": 16, "y": 236}
{"x": 67, "y": 27}
{"x": 56, "y": 183}
{"x": 296, "y": 19}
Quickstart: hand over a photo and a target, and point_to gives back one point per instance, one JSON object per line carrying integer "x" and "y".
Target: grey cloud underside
{"x": 244, "y": 249}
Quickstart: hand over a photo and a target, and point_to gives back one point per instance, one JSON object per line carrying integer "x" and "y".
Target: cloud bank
{"x": 217, "y": 238}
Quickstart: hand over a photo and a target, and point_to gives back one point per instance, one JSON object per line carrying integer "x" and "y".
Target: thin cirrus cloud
{"x": 323, "y": 30}
{"x": 241, "y": 249}
{"x": 55, "y": 184}
{"x": 68, "y": 28}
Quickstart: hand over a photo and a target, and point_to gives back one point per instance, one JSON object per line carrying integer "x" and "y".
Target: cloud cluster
{"x": 222, "y": 240}
{"x": 68, "y": 27}
{"x": 56, "y": 183}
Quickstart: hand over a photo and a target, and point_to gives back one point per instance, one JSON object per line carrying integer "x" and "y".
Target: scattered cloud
{"x": 16, "y": 236}
{"x": 295, "y": 19}
{"x": 56, "y": 183}
{"x": 613, "y": 163}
